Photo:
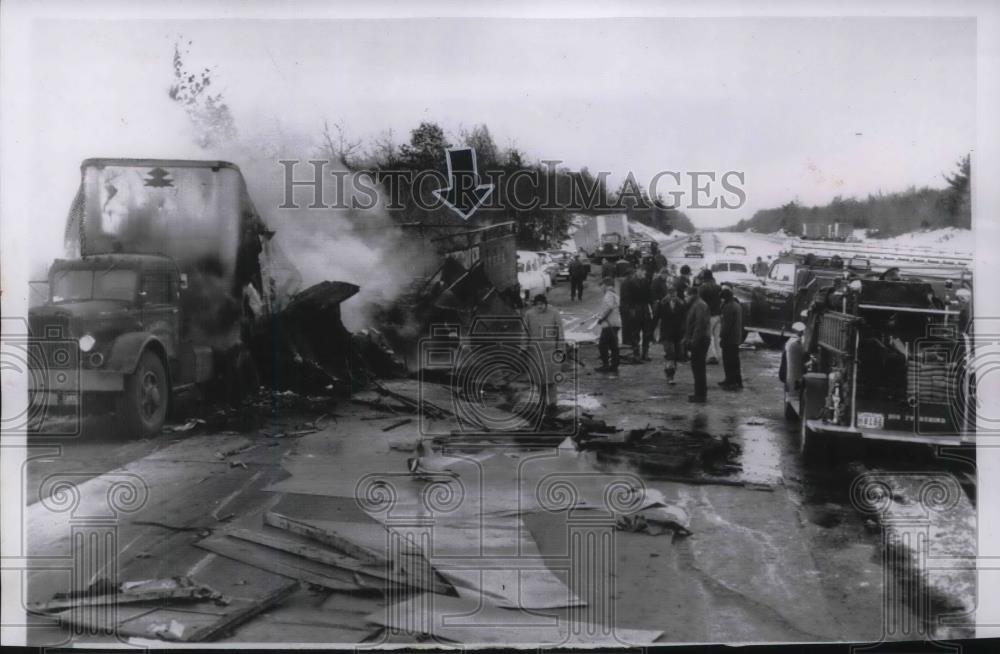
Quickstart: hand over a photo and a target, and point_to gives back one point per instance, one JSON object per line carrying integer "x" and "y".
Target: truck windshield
{"x": 75, "y": 285}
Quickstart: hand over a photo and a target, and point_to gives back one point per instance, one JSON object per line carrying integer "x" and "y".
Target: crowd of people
{"x": 647, "y": 300}
{"x": 694, "y": 319}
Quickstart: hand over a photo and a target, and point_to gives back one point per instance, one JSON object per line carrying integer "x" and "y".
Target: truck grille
{"x": 51, "y": 345}
{"x": 836, "y": 331}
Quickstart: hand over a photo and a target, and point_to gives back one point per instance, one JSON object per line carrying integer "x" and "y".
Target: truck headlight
{"x": 87, "y": 343}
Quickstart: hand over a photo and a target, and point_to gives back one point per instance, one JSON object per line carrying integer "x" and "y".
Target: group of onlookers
{"x": 698, "y": 321}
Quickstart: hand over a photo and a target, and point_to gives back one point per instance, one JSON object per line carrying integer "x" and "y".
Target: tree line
{"x": 881, "y": 215}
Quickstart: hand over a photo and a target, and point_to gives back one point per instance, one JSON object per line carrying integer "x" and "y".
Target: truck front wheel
{"x": 142, "y": 407}
{"x": 810, "y": 443}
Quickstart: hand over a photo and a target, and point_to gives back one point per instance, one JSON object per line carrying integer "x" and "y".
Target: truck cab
{"x": 120, "y": 319}
{"x": 612, "y": 247}
{"x": 165, "y": 278}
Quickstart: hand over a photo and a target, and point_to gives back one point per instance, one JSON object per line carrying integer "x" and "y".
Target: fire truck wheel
{"x": 773, "y": 341}
{"x": 810, "y": 444}
{"x": 142, "y": 407}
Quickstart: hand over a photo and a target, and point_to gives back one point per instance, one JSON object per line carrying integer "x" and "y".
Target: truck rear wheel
{"x": 142, "y": 407}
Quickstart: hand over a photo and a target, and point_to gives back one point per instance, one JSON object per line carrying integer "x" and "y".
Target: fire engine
{"x": 882, "y": 359}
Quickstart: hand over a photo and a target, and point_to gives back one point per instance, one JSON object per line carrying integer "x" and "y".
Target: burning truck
{"x": 169, "y": 279}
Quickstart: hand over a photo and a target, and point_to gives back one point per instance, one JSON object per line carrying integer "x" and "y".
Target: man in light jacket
{"x": 545, "y": 331}
{"x": 610, "y": 320}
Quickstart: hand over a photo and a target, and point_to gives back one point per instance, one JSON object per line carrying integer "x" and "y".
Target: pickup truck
{"x": 774, "y": 302}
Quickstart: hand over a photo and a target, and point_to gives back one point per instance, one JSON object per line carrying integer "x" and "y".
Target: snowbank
{"x": 653, "y": 234}
{"x": 949, "y": 238}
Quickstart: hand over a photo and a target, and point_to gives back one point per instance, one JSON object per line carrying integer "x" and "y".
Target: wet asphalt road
{"x": 786, "y": 559}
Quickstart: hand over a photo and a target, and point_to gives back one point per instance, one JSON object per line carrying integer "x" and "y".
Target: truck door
{"x": 160, "y": 315}
{"x": 777, "y": 296}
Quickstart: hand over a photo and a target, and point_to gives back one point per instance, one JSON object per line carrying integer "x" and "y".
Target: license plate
{"x": 69, "y": 399}
{"x": 871, "y": 420}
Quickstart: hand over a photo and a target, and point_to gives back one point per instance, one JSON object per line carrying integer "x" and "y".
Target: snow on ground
{"x": 757, "y": 245}
{"x": 949, "y": 238}
{"x": 653, "y": 234}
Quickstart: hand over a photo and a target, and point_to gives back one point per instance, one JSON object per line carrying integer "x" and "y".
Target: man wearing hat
{"x": 610, "y": 321}
{"x": 545, "y": 329}
{"x": 696, "y": 340}
{"x": 730, "y": 337}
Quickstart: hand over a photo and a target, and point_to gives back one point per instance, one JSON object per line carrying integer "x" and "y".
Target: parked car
{"x": 730, "y": 270}
{"x": 734, "y": 251}
{"x": 532, "y": 279}
{"x": 561, "y": 260}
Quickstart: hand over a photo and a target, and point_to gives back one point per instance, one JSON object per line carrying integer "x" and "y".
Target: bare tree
{"x": 210, "y": 115}
{"x": 338, "y": 146}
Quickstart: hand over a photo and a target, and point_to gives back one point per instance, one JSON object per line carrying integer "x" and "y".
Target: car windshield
{"x": 74, "y": 285}
{"x": 737, "y": 267}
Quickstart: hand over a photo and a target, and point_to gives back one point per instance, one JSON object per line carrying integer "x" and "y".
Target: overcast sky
{"x": 807, "y": 108}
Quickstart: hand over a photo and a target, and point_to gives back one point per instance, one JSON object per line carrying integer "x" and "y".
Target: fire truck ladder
{"x": 916, "y": 260}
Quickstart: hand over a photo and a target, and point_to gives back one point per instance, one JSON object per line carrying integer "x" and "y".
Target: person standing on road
{"x": 646, "y": 306}
{"x": 710, "y": 292}
{"x": 577, "y": 273}
{"x": 607, "y": 268}
{"x": 760, "y": 268}
{"x": 631, "y": 312}
{"x": 609, "y": 318}
{"x": 684, "y": 281}
{"x": 730, "y": 337}
{"x": 545, "y": 330}
{"x": 696, "y": 342}
{"x": 659, "y": 261}
{"x": 669, "y": 317}
{"x": 658, "y": 288}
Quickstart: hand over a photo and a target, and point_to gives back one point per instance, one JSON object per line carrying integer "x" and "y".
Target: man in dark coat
{"x": 730, "y": 337}
{"x": 646, "y": 306}
{"x": 709, "y": 291}
{"x": 577, "y": 273}
{"x": 669, "y": 317}
{"x": 631, "y": 293}
{"x": 696, "y": 342}
{"x": 608, "y": 269}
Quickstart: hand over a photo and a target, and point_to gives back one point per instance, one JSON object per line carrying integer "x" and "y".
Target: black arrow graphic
{"x": 465, "y": 194}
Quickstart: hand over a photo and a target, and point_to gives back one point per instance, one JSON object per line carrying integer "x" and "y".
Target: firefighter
{"x": 697, "y": 338}
{"x": 730, "y": 337}
{"x": 545, "y": 331}
{"x": 793, "y": 361}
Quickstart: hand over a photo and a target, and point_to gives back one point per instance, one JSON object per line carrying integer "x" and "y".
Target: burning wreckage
{"x": 173, "y": 281}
